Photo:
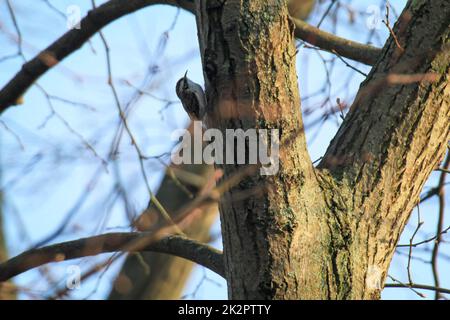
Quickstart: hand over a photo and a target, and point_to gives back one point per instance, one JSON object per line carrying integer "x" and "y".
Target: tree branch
{"x": 112, "y": 242}
{"x": 72, "y": 40}
{"x": 101, "y": 16}
{"x": 395, "y": 133}
{"x": 169, "y": 273}
{"x": 366, "y": 54}
{"x": 417, "y": 286}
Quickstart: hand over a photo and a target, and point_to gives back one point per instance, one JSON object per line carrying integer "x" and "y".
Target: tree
{"x": 324, "y": 232}
{"x": 165, "y": 276}
{"x": 161, "y": 282}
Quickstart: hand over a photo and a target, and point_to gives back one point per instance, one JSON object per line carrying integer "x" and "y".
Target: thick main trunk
{"x": 326, "y": 233}
{"x": 395, "y": 134}
{"x": 160, "y": 276}
{"x": 249, "y": 66}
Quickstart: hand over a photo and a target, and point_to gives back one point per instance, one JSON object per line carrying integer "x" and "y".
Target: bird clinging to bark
{"x": 192, "y": 98}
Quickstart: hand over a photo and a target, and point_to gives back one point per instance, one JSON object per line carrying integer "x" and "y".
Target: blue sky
{"x": 46, "y": 166}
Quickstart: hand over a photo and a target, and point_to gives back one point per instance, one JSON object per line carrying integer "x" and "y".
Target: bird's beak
{"x": 185, "y": 75}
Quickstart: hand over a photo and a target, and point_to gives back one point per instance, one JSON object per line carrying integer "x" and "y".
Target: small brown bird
{"x": 192, "y": 97}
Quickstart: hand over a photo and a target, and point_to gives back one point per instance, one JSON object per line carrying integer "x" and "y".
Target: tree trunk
{"x": 154, "y": 276}
{"x": 168, "y": 274}
{"x": 330, "y": 232}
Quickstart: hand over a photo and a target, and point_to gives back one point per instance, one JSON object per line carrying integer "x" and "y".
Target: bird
{"x": 192, "y": 98}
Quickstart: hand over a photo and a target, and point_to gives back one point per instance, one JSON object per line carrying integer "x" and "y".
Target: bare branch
{"x": 101, "y": 16}
{"x": 95, "y": 20}
{"x": 366, "y": 54}
{"x": 377, "y": 146}
{"x": 417, "y": 286}
{"x": 440, "y": 226}
{"x": 180, "y": 246}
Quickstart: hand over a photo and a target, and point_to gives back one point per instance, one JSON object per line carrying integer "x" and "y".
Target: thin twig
{"x": 405, "y": 285}
{"x": 411, "y": 241}
{"x": 435, "y": 252}
{"x": 123, "y": 118}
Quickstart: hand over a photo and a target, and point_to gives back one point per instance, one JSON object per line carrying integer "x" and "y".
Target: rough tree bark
{"x": 326, "y": 232}
{"x": 159, "y": 276}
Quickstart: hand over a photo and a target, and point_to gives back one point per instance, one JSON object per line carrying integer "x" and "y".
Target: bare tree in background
{"x": 325, "y": 230}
